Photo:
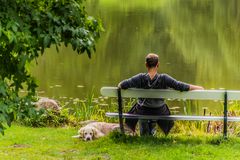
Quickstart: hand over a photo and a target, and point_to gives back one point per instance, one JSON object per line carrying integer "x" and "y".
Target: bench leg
{"x": 120, "y": 110}
{"x": 225, "y": 116}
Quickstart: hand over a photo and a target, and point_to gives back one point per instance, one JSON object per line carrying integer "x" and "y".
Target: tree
{"x": 27, "y": 28}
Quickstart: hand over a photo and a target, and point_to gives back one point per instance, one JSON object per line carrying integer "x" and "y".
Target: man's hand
{"x": 119, "y": 85}
{"x": 194, "y": 87}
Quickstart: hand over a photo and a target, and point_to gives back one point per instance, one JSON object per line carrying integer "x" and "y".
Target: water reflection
{"x": 197, "y": 41}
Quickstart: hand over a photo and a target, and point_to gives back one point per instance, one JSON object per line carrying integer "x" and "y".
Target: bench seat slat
{"x": 172, "y": 117}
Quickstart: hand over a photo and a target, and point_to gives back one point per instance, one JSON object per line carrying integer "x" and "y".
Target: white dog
{"x": 96, "y": 130}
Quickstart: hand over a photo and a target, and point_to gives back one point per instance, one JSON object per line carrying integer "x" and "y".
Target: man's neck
{"x": 152, "y": 72}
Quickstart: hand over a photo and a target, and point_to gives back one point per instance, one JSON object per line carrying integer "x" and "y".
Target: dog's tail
{"x": 83, "y": 123}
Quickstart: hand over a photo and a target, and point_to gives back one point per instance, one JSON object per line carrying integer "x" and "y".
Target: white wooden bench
{"x": 223, "y": 95}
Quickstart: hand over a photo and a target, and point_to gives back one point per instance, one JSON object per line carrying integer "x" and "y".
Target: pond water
{"x": 197, "y": 42}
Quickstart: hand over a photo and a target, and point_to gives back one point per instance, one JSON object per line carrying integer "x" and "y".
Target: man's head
{"x": 151, "y": 60}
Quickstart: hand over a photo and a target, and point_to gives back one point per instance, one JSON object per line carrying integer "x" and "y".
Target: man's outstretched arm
{"x": 133, "y": 82}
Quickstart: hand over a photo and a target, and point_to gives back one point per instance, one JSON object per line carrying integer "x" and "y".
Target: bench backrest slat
{"x": 171, "y": 94}
{"x": 233, "y": 95}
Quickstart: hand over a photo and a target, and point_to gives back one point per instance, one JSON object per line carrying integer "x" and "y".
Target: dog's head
{"x": 88, "y": 133}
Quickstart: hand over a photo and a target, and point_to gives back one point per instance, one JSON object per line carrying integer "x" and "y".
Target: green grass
{"x": 56, "y": 143}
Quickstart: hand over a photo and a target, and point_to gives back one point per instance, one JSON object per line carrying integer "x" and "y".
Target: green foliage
{"x": 44, "y": 118}
{"x": 27, "y": 28}
{"x": 74, "y": 111}
{"x": 89, "y": 108}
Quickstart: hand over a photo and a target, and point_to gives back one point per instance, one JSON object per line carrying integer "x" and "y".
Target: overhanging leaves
{"x": 27, "y": 28}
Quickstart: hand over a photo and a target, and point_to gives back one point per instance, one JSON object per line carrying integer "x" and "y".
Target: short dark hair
{"x": 151, "y": 60}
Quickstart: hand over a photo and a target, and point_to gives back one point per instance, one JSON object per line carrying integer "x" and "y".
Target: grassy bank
{"x": 56, "y": 143}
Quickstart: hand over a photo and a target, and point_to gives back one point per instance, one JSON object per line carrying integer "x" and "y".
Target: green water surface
{"x": 197, "y": 42}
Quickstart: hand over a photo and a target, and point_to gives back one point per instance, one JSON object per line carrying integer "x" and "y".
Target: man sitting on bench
{"x": 153, "y": 106}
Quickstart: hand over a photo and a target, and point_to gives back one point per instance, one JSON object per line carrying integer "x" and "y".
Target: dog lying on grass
{"x": 95, "y": 130}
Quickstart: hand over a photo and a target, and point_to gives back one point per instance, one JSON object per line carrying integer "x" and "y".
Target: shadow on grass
{"x": 169, "y": 140}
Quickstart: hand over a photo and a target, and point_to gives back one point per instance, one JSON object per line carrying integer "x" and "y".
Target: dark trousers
{"x": 147, "y": 127}
{"x": 165, "y": 125}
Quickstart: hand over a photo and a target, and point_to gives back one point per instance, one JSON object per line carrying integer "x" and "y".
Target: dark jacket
{"x": 160, "y": 81}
